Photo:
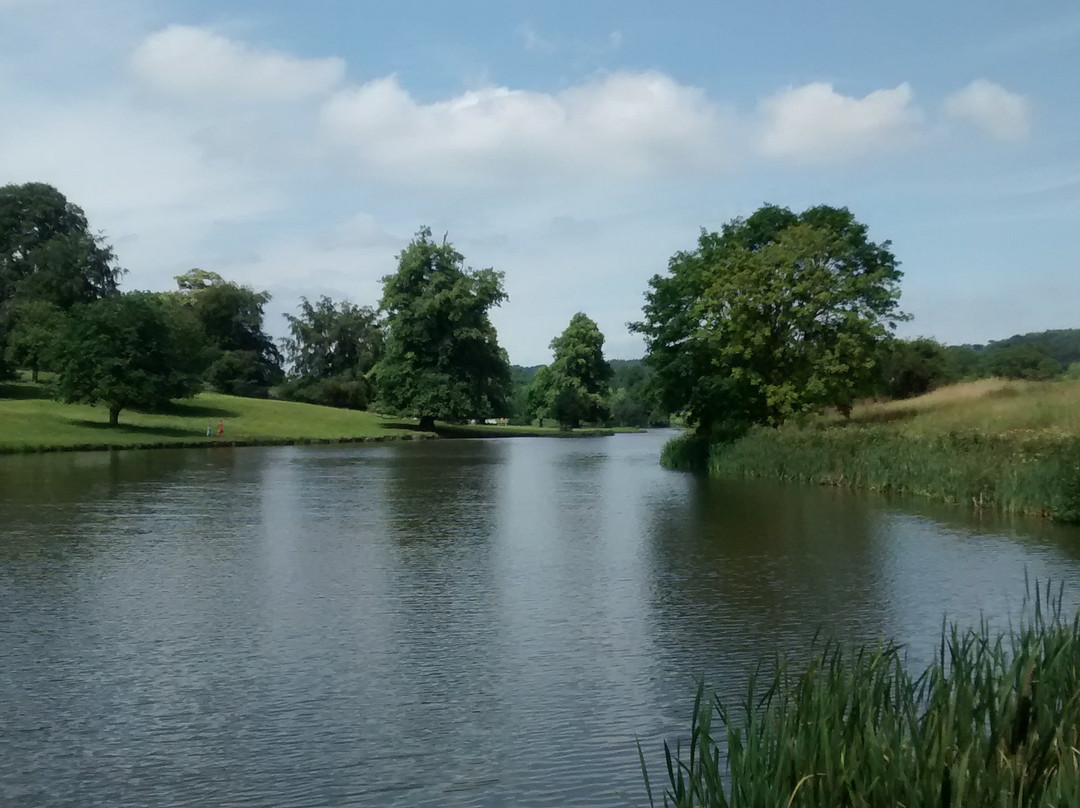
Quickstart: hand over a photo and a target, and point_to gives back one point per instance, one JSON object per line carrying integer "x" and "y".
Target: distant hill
{"x": 1061, "y": 345}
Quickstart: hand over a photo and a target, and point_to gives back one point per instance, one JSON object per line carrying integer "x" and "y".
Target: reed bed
{"x": 1011, "y": 446}
{"x": 992, "y": 722}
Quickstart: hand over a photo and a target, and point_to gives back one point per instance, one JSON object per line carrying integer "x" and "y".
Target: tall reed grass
{"x": 992, "y": 722}
{"x": 1012, "y": 473}
{"x": 1011, "y": 446}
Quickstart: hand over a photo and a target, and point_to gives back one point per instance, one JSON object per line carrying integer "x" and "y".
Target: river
{"x": 436, "y": 623}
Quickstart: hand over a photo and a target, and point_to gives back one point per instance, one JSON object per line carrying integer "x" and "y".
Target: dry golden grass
{"x": 988, "y": 406}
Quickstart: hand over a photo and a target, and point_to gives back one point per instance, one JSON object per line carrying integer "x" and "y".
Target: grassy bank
{"x": 31, "y": 422}
{"x": 1013, "y": 446}
{"x": 993, "y": 721}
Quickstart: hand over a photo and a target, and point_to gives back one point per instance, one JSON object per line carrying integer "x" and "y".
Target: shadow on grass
{"x": 137, "y": 429}
{"x": 25, "y": 391}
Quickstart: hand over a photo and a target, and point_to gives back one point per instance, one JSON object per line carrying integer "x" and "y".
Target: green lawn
{"x": 31, "y": 421}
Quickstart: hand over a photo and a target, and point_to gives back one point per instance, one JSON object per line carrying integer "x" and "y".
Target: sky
{"x": 574, "y": 146}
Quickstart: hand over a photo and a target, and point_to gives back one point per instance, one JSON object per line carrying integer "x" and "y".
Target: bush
{"x": 338, "y": 391}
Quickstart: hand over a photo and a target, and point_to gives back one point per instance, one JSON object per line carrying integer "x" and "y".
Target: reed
{"x": 993, "y": 721}
{"x": 1010, "y": 446}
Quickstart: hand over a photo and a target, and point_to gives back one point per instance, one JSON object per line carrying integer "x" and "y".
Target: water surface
{"x": 448, "y": 623}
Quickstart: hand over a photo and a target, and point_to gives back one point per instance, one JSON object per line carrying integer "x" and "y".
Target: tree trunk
{"x": 427, "y": 423}
{"x": 34, "y": 373}
{"x": 114, "y": 415}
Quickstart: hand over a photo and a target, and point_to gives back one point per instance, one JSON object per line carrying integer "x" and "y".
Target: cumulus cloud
{"x": 193, "y": 62}
{"x": 993, "y": 109}
{"x": 616, "y": 125}
{"x": 816, "y": 124}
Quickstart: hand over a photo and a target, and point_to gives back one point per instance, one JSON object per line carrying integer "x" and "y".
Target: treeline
{"x": 912, "y": 367}
{"x": 427, "y": 350}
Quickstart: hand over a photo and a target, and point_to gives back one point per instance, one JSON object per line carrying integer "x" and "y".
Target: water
{"x": 451, "y": 623}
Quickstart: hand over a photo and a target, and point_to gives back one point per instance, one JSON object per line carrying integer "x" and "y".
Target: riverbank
{"x": 32, "y": 422}
{"x": 1009, "y": 445}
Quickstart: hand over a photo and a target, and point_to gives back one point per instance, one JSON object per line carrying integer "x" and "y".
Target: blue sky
{"x": 575, "y": 146}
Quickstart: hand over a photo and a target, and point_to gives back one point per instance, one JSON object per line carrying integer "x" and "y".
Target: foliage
{"x": 47, "y": 251}
{"x": 776, "y": 315}
{"x": 575, "y": 387}
{"x": 330, "y": 339}
{"x": 634, "y": 397}
{"x": 47, "y": 255}
{"x": 1011, "y": 446}
{"x": 241, "y": 357}
{"x": 442, "y": 357}
{"x": 1020, "y": 361}
{"x": 686, "y": 452}
{"x": 1061, "y": 344}
{"x": 913, "y": 367}
{"x": 32, "y": 336}
{"x": 131, "y": 350}
{"x": 994, "y": 720}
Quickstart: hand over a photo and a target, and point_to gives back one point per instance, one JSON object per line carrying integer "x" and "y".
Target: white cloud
{"x": 616, "y": 125}
{"x": 198, "y": 63}
{"x": 816, "y": 124}
{"x": 993, "y": 109}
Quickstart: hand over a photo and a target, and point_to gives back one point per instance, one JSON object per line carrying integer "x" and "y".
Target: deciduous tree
{"x": 775, "y": 315}
{"x": 575, "y": 387}
{"x": 131, "y": 350}
{"x": 332, "y": 349}
{"x": 442, "y": 357}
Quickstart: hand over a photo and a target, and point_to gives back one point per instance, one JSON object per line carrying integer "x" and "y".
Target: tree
{"x": 241, "y": 358}
{"x": 47, "y": 251}
{"x": 775, "y": 315}
{"x": 575, "y": 387}
{"x": 48, "y": 255}
{"x": 442, "y": 357}
{"x": 332, "y": 350}
{"x": 33, "y": 330}
{"x": 913, "y": 367}
{"x": 1020, "y": 361}
{"x": 133, "y": 350}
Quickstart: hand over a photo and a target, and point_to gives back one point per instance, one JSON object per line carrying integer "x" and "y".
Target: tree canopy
{"x": 576, "y": 386}
{"x": 775, "y": 315}
{"x": 241, "y": 358}
{"x": 133, "y": 350}
{"x": 332, "y": 349}
{"x": 442, "y": 357}
{"x": 47, "y": 256}
{"x": 47, "y": 251}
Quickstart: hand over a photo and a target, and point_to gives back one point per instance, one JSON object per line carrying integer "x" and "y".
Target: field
{"x": 30, "y": 421}
{"x": 1009, "y": 445}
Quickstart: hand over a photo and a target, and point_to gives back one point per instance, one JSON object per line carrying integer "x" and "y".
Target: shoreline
{"x": 1010, "y": 447}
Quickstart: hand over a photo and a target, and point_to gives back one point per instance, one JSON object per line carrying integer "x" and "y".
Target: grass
{"x": 31, "y": 421}
{"x": 1008, "y": 445}
{"x": 993, "y": 721}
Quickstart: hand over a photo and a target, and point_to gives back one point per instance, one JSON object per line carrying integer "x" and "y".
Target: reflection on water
{"x": 480, "y": 623}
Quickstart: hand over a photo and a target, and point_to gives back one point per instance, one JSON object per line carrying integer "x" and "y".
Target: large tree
{"x": 332, "y": 348}
{"x": 47, "y": 251}
{"x": 442, "y": 357}
{"x": 241, "y": 357}
{"x": 132, "y": 350}
{"x": 576, "y": 386}
{"x": 775, "y": 315}
{"x": 48, "y": 254}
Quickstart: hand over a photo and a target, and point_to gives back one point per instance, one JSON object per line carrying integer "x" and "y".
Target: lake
{"x": 434, "y": 623}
